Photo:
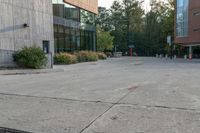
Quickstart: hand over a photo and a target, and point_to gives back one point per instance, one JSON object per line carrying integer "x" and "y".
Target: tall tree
{"x": 127, "y": 17}
{"x": 103, "y": 19}
{"x": 129, "y": 25}
{"x": 134, "y": 15}
{"x": 159, "y": 24}
{"x": 104, "y": 40}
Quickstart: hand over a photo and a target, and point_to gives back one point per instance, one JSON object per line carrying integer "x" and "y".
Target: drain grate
{"x": 8, "y": 130}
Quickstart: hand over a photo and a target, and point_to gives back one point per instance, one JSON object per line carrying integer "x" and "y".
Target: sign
{"x": 131, "y": 46}
{"x": 169, "y": 40}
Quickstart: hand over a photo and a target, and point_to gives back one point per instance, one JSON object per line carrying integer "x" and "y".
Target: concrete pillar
{"x": 190, "y": 52}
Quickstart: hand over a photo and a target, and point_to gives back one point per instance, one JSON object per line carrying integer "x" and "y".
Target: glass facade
{"x": 87, "y": 17}
{"x": 74, "y": 28}
{"x": 182, "y": 18}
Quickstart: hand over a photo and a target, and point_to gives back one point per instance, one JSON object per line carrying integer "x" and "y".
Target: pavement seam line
{"x": 116, "y": 103}
{"x": 128, "y": 104}
{"x": 54, "y": 98}
{"x": 160, "y": 107}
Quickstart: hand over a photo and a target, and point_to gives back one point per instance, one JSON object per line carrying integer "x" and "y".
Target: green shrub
{"x": 86, "y": 56}
{"x": 101, "y": 55}
{"x": 65, "y": 58}
{"x": 30, "y": 57}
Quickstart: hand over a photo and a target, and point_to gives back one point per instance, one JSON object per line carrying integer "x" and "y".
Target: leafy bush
{"x": 81, "y": 56}
{"x": 65, "y": 58}
{"x": 101, "y": 55}
{"x": 86, "y": 56}
{"x": 30, "y": 57}
{"x": 104, "y": 40}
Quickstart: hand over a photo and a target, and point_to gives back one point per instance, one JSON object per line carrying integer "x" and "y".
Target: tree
{"x": 159, "y": 23}
{"x": 127, "y": 20}
{"x": 128, "y": 24}
{"x": 104, "y": 40}
{"x": 119, "y": 30}
{"x": 103, "y": 19}
{"x": 134, "y": 21}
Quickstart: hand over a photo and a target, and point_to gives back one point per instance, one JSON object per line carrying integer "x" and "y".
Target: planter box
{"x": 117, "y": 54}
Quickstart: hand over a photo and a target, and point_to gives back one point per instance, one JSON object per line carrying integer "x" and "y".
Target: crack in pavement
{"x": 130, "y": 89}
{"x": 160, "y": 107}
{"x": 112, "y": 103}
{"x": 54, "y": 98}
{"x": 106, "y": 111}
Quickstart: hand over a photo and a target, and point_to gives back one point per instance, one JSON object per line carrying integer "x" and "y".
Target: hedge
{"x": 65, "y": 58}
{"x": 86, "y": 56}
{"x": 30, "y": 57}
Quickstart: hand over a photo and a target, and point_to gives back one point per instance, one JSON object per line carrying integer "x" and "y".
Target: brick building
{"x": 187, "y": 23}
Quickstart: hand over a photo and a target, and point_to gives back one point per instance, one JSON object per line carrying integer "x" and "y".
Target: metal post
{"x": 131, "y": 52}
{"x": 190, "y": 52}
{"x": 171, "y": 55}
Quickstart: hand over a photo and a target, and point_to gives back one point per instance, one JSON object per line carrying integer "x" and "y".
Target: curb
{"x": 29, "y": 71}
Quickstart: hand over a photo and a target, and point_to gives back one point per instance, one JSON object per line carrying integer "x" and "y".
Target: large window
{"x": 69, "y": 37}
{"x": 182, "y": 18}
{"x": 58, "y": 8}
{"x": 71, "y": 12}
{"x": 64, "y": 10}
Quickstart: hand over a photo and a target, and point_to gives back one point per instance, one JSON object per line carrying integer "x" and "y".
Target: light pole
{"x": 169, "y": 41}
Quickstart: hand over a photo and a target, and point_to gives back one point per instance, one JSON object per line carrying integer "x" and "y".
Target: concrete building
{"x": 54, "y": 25}
{"x": 187, "y": 23}
{"x": 24, "y": 23}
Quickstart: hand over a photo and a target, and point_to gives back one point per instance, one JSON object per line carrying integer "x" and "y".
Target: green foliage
{"x": 104, "y": 40}
{"x": 81, "y": 56}
{"x": 86, "y": 56}
{"x": 30, "y": 57}
{"x": 101, "y": 55}
{"x": 159, "y": 24}
{"x": 103, "y": 19}
{"x": 129, "y": 25}
{"x": 65, "y": 58}
{"x": 127, "y": 17}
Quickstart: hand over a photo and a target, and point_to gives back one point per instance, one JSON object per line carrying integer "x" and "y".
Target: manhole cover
{"x": 8, "y": 130}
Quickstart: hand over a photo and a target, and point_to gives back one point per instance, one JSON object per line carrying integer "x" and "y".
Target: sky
{"x": 108, "y": 3}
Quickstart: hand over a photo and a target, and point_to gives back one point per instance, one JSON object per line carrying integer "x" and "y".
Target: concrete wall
{"x": 14, "y": 14}
{"x": 6, "y": 58}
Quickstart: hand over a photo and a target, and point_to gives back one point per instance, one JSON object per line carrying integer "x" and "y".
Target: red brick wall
{"x": 194, "y": 24}
{"x": 90, "y": 5}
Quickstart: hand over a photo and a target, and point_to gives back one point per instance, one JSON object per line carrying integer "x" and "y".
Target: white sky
{"x": 108, "y": 3}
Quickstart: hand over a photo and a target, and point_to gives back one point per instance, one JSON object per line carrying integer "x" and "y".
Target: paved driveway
{"x": 144, "y": 95}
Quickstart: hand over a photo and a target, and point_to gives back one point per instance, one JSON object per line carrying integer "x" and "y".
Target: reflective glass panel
{"x": 182, "y": 18}
{"x": 87, "y": 17}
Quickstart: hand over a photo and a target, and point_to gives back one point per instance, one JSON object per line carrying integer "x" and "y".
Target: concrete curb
{"x": 29, "y": 71}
